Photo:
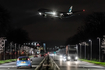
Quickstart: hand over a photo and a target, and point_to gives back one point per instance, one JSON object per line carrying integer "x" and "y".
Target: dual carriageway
{"x": 62, "y": 65}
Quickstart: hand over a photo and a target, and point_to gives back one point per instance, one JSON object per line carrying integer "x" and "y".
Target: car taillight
{"x": 18, "y": 59}
{"x": 48, "y": 52}
{"x": 28, "y": 59}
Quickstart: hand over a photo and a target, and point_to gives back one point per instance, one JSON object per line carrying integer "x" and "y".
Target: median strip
{"x": 9, "y": 60}
{"x": 95, "y": 62}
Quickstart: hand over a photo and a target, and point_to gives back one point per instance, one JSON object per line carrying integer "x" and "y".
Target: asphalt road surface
{"x": 12, "y": 65}
{"x": 75, "y": 65}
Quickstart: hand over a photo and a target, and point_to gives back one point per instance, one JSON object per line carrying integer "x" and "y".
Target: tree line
{"x": 16, "y": 35}
{"x": 94, "y": 26}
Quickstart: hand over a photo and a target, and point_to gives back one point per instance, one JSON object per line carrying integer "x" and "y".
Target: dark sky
{"x": 54, "y": 31}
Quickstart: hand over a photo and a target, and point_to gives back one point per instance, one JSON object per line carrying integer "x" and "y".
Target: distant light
{"x": 54, "y": 13}
{"x": 83, "y": 9}
{"x": 68, "y": 63}
{"x": 60, "y": 55}
{"x": 61, "y": 14}
{"x": 76, "y": 62}
{"x": 89, "y": 40}
{"x": 40, "y": 13}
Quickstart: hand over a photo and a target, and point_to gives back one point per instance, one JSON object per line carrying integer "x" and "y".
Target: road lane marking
{"x": 16, "y": 66}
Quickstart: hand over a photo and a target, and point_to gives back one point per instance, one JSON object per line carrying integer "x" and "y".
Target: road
{"x": 75, "y": 65}
{"x": 12, "y": 65}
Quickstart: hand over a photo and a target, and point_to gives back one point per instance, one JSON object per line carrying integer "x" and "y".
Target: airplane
{"x": 47, "y": 12}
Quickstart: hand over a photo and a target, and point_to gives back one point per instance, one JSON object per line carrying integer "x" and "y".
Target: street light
{"x": 91, "y": 47}
{"x": 99, "y": 47}
{"x": 4, "y": 47}
{"x": 80, "y": 49}
{"x": 15, "y": 51}
{"x": 77, "y": 49}
{"x": 85, "y": 49}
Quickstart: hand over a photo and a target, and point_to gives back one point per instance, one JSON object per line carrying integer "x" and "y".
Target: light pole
{"x": 77, "y": 49}
{"x": 99, "y": 47}
{"x": 91, "y": 47}
{"x": 85, "y": 48}
{"x": 15, "y": 51}
{"x": 80, "y": 49}
{"x": 11, "y": 50}
{"x": 4, "y": 47}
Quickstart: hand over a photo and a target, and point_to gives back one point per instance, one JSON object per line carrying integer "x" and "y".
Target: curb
{"x": 40, "y": 63}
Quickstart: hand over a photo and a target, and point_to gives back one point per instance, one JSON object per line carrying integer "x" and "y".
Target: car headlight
{"x": 69, "y": 58}
{"x": 60, "y": 55}
{"x": 64, "y": 57}
{"x": 54, "y": 13}
{"x": 76, "y": 57}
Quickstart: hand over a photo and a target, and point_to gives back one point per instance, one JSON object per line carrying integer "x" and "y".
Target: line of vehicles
{"x": 42, "y": 53}
{"x": 69, "y": 53}
{"x": 24, "y": 61}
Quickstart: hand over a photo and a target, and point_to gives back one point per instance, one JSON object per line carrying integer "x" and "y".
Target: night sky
{"x": 24, "y": 14}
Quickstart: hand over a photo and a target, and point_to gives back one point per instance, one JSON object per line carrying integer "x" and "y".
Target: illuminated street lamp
{"x": 99, "y": 47}
{"x": 91, "y": 47}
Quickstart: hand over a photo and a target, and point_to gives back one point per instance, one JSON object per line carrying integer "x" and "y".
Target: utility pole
{"x": 4, "y": 47}
{"x": 15, "y": 51}
{"x": 80, "y": 49}
{"x": 99, "y": 48}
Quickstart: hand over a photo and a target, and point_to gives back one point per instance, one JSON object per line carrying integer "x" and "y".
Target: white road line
{"x": 84, "y": 66}
{"x": 7, "y": 66}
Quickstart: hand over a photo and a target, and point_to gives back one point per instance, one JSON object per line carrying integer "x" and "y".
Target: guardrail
{"x": 54, "y": 65}
{"x": 41, "y": 64}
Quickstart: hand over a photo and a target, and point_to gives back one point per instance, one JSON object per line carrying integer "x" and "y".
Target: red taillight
{"x": 15, "y": 52}
{"x": 22, "y": 52}
{"x": 46, "y": 53}
{"x": 28, "y": 59}
{"x": 83, "y": 9}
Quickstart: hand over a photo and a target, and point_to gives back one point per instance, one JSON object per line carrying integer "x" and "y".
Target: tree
{"x": 94, "y": 27}
{"x": 4, "y": 22}
{"x": 18, "y": 36}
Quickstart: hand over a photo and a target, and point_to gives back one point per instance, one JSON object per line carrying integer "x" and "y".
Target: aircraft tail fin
{"x": 70, "y": 10}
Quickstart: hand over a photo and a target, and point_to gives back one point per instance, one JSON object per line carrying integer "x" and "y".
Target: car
{"x": 23, "y": 61}
{"x": 35, "y": 55}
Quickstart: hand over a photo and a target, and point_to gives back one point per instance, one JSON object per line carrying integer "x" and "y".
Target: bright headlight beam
{"x": 68, "y": 57}
{"x": 76, "y": 57}
{"x": 76, "y": 62}
{"x": 54, "y": 13}
{"x": 60, "y": 55}
{"x": 40, "y": 13}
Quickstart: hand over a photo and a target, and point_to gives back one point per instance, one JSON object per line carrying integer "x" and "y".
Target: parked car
{"x": 23, "y": 61}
